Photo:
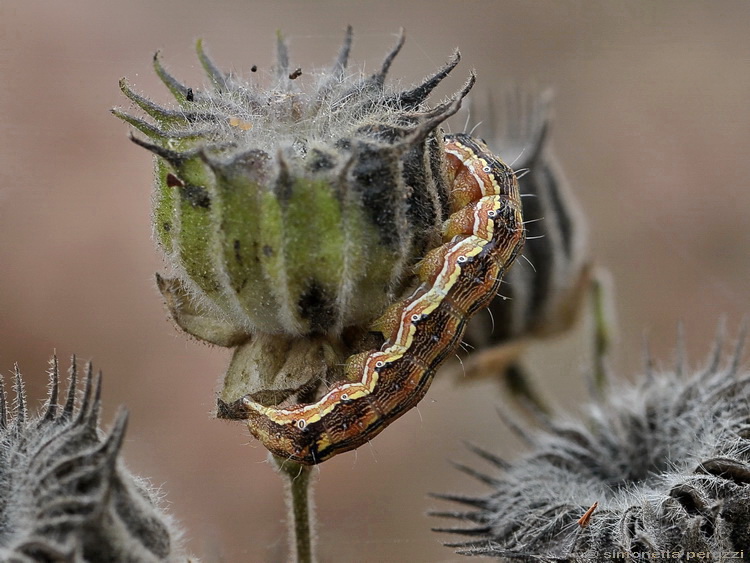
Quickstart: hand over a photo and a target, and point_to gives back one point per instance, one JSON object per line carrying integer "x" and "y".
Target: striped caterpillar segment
{"x": 481, "y": 239}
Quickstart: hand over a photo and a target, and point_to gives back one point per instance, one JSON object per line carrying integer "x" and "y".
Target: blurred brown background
{"x": 651, "y": 125}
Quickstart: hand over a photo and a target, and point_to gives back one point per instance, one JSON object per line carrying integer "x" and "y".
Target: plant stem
{"x": 601, "y": 297}
{"x": 300, "y": 509}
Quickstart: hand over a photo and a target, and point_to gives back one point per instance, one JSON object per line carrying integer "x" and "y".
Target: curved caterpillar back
{"x": 280, "y": 224}
{"x": 64, "y": 493}
{"x": 292, "y": 211}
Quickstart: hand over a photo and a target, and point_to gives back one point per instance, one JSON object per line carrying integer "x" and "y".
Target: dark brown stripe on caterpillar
{"x": 481, "y": 239}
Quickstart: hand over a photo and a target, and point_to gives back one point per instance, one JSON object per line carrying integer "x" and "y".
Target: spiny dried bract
{"x": 64, "y": 494}
{"x": 296, "y": 208}
{"x": 544, "y": 293}
{"x": 667, "y": 460}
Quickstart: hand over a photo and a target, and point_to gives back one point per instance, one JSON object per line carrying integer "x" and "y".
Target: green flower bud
{"x": 292, "y": 214}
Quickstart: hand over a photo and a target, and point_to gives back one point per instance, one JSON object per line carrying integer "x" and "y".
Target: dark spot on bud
{"x": 237, "y": 254}
{"x": 343, "y": 144}
{"x": 295, "y": 74}
{"x": 317, "y": 161}
{"x": 377, "y": 178}
{"x": 252, "y": 165}
{"x": 189, "y": 95}
{"x": 254, "y": 68}
{"x": 173, "y": 181}
{"x": 317, "y": 305}
{"x": 167, "y": 227}
{"x": 267, "y": 251}
{"x": 284, "y": 183}
{"x": 197, "y": 196}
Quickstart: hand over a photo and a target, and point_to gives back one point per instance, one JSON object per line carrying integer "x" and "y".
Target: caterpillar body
{"x": 481, "y": 239}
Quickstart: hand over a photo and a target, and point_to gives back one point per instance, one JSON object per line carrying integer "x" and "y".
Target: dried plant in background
{"x": 664, "y": 462}
{"x": 64, "y": 492}
{"x": 546, "y": 293}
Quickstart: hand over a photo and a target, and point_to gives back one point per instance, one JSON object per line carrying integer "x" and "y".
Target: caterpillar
{"x": 481, "y": 239}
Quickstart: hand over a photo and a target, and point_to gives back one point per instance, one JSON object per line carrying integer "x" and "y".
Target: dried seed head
{"x": 544, "y": 295}
{"x": 64, "y": 493}
{"x": 293, "y": 212}
{"x": 667, "y": 459}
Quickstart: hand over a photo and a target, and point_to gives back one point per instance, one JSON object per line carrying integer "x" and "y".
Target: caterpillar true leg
{"x": 481, "y": 239}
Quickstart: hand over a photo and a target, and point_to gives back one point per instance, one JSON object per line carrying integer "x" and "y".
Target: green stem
{"x": 601, "y": 296}
{"x": 301, "y": 513}
{"x": 521, "y": 387}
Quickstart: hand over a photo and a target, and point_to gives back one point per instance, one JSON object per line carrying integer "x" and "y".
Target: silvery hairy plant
{"x": 65, "y": 495}
{"x": 657, "y": 469}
